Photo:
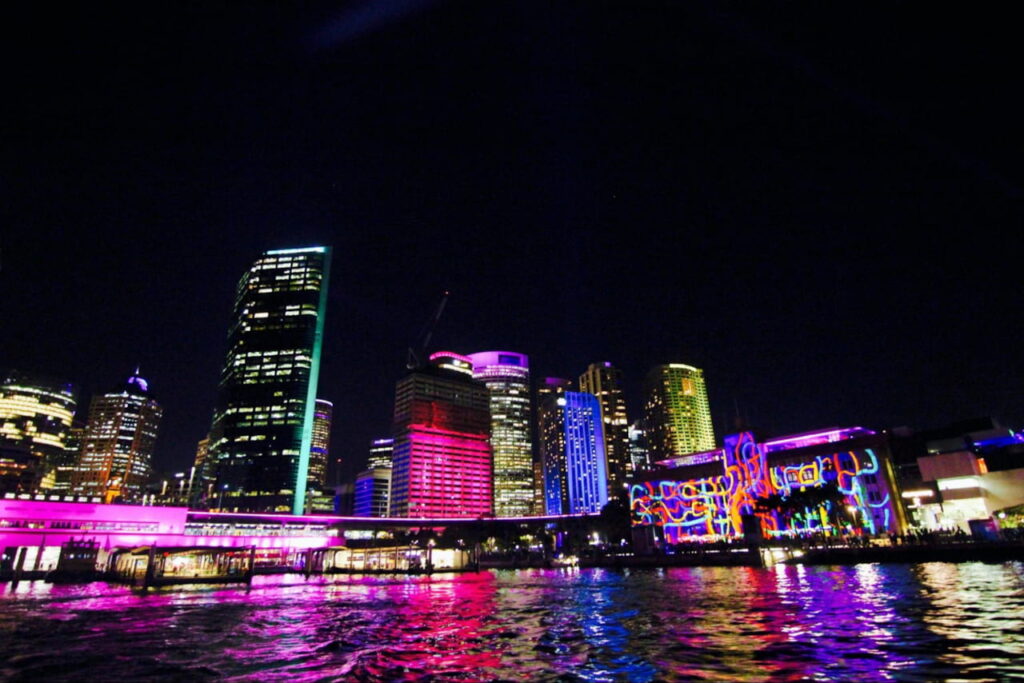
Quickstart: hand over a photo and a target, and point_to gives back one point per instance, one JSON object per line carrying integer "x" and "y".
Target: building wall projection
{"x": 442, "y": 456}
{"x": 572, "y": 452}
{"x": 708, "y": 496}
{"x": 262, "y": 430}
{"x": 604, "y": 381}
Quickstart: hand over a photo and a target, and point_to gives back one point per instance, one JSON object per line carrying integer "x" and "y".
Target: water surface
{"x": 924, "y": 622}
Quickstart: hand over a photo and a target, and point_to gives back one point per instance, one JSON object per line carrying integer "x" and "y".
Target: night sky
{"x": 818, "y": 203}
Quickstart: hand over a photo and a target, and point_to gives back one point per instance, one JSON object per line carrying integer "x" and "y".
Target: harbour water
{"x": 899, "y": 622}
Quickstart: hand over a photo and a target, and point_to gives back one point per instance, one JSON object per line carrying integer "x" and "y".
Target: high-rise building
{"x": 117, "y": 446}
{"x": 442, "y": 457}
{"x": 381, "y": 451}
{"x": 36, "y": 414}
{"x": 604, "y": 381}
{"x": 506, "y": 375}
{"x": 262, "y": 432}
{"x": 676, "y": 412}
{"x": 572, "y": 452}
{"x": 320, "y": 447}
{"x": 372, "y": 491}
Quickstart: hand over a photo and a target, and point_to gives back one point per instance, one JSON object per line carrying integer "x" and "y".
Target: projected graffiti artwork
{"x": 715, "y": 506}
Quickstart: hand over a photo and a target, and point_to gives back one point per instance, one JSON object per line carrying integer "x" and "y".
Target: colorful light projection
{"x": 715, "y": 506}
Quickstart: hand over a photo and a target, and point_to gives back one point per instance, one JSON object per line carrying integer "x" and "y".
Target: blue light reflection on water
{"x": 788, "y": 623}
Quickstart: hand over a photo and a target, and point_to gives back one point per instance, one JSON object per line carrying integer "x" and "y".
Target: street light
{"x": 220, "y": 498}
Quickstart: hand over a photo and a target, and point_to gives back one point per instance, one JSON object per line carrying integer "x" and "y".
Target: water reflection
{"x": 788, "y": 623}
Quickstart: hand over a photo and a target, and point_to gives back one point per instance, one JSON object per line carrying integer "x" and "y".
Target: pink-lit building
{"x": 442, "y": 453}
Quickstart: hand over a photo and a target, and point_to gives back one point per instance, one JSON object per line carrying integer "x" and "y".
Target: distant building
{"x": 639, "y": 454}
{"x": 539, "y": 507}
{"x": 20, "y": 468}
{"x": 372, "y": 492}
{"x": 604, "y": 381}
{"x": 37, "y": 414}
{"x": 572, "y": 452}
{"x": 381, "y": 451}
{"x": 117, "y": 446}
{"x": 676, "y": 411}
{"x": 203, "y": 474}
{"x": 442, "y": 458}
{"x": 262, "y": 433}
{"x": 319, "y": 450}
{"x": 552, "y": 385}
{"x": 69, "y": 461}
{"x": 506, "y": 375}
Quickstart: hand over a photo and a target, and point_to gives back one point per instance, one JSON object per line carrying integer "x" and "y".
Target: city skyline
{"x": 812, "y": 227}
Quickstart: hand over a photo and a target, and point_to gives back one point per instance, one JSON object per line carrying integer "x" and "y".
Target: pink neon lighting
{"x": 451, "y": 354}
{"x": 815, "y": 438}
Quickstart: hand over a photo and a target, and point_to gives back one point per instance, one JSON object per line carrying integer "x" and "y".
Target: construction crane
{"x": 416, "y": 356}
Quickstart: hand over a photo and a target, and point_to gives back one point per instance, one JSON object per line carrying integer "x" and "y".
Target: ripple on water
{"x": 870, "y": 622}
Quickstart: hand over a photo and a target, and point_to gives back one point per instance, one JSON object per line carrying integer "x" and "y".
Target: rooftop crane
{"x": 416, "y": 356}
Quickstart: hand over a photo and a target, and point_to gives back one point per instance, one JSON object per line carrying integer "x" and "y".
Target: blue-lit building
{"x": 572, "y": 453}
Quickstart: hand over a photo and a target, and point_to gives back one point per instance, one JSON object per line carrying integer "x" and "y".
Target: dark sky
{"x": 818, "y": 203}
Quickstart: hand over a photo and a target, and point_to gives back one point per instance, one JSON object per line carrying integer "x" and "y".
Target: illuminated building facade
{"x": 751, "y": 486}
{"x": 442, "y": 454}
{"x": 372, "y": 493}
{"x": 117, "y": 447}
{"x": 381, "y": 451}
{"x": 263, "y": 423}
{"x": 506, "y": 375}
{"x": 638, "y": 451}
{"x": 676, "y": 411}
{"x": 572, "y": 453}
{"x": 604, "y": 381}
{"x": 37, "y": 415}
{"x": 319, "y": 449}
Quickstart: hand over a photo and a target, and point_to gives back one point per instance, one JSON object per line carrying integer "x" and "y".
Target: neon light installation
{"x": 715, "y": 506}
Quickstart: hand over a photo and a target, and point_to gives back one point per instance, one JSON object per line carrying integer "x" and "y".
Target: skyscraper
{"x": 319, "y": 450}
{"x": 442, "y": 458}
{"x": 677, "y": 417}
{"x": 604, "y": 381}
{"x": 36, "y": 414}
{"x": 117, "y": 446}
{"x": 262, "y": 430}
{"x": 572, "y": 452}
{"x": 506, "y": 375}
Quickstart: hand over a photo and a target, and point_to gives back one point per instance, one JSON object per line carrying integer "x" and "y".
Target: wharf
{"x": 911, "y": 553}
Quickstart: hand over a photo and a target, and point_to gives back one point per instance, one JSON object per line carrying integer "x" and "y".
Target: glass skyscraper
{"x": 507, "y": 377}
{"x": 572, "y": 452}
{"x": 117, "y": 447}
{"x": 677, "y": 417}
{"x": 604, "y": 381}
{"x": 262, "y": 432}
